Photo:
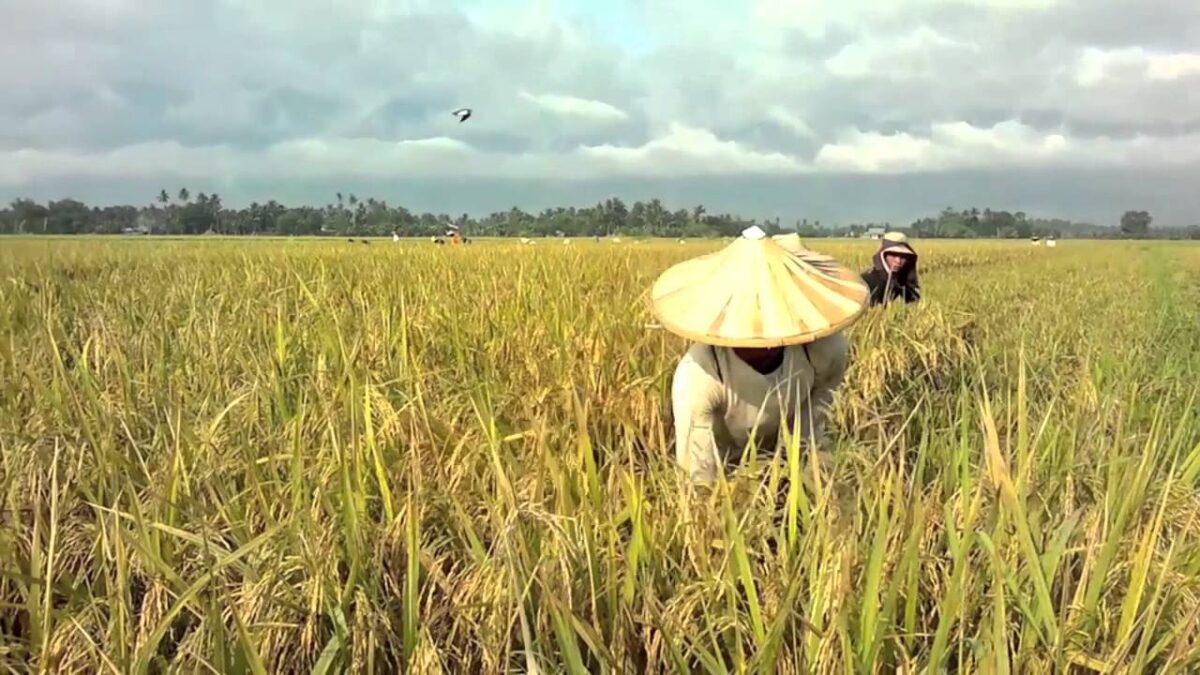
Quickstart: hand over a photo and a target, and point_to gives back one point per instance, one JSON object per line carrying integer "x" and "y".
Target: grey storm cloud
{"x": 790, "y": 108}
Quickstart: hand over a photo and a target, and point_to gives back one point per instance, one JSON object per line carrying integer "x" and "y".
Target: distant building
{"x": 874, "y": 233}
{"x": 145, "y": 224}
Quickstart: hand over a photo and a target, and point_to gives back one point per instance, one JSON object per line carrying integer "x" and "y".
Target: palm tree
{"x": 214, "y": 203}
{"x": 183, "y": 195}
{"x": 165, "y": 200}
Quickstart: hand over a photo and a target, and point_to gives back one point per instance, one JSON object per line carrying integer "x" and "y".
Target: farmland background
{"x": 298, "y": 455}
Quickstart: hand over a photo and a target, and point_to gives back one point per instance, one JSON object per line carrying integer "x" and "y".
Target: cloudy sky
{"x": 837, "y": 110}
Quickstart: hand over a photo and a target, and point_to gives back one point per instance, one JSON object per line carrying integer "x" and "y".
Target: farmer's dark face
{"x": 758, "y": 358}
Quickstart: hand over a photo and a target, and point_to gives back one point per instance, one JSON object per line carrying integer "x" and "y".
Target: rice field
{"x": 316, "y": 456}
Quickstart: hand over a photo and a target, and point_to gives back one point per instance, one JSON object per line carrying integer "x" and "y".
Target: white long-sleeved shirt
{"x": 717, "y": 400}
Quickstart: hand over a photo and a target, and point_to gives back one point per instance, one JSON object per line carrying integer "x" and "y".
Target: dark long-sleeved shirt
{"x": 885, "y": 287}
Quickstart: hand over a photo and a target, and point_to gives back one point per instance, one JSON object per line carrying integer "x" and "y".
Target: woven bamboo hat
{"x": 793, "y": 244}
{"x": 757, "y": 293}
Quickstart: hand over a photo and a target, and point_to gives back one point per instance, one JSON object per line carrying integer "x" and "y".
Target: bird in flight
{"x": 462, "y": 114}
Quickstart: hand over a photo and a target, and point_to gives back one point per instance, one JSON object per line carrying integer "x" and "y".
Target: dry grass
{"x": 232, "y": 456}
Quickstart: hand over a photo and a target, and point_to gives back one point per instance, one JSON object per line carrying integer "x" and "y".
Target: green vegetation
{"x": 308, "y": 456}
{"x": 205, "y": 214}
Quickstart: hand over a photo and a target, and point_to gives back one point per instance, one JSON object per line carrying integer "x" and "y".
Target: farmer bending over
{"x": 765, "y": 320}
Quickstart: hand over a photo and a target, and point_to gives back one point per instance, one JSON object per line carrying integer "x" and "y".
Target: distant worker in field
{"x": 893, "y": 272}
{"x": 768, "y": 352}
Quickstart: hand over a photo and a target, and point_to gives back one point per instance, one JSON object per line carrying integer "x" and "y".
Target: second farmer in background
{"x": 893, "y": 273}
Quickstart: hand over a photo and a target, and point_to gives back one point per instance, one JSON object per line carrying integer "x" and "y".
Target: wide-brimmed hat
{"x": 756, "y": 292}
{"x": 794, "y": 244}
{"x": 898, "y": 248}
{"x": 897, "y": 242}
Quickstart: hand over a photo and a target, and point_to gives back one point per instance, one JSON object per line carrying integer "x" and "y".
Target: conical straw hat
{"x": 756, "y": 293}
{"x": 793, "y": 244}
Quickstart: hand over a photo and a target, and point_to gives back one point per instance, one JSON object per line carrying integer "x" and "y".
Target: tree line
{"x": 183, "y": 214}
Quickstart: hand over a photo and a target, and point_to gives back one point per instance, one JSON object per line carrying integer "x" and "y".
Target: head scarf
{"x": 907, "y": 274}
